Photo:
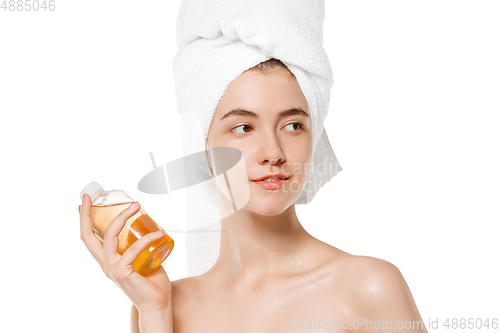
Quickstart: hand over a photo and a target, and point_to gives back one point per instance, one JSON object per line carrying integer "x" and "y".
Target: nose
{"x": 270, "y": 150}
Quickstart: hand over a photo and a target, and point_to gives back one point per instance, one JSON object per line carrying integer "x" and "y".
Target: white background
{"x": 86, "y": 92}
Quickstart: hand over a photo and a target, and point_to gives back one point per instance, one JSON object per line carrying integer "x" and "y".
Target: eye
{"x": 241, "y": 133}
{"x": 292, "y": 129}
{"x": 296, "y": 123}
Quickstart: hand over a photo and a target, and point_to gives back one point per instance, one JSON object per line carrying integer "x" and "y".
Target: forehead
{"x": 260, "y": 92}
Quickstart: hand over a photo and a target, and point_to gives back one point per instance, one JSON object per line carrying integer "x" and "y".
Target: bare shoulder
{"x": 367, "y": 277}
{"x": 362, "y": 273}
{"x": 364, "y": 268}
{"x": 183, "y": 284}
{"x": 183, "y": 293}
{"x": 183, "y": 290}
{"x": 354, "y": 266}
{"x": 186, "y": 293}
{"x": 374, "y": 288}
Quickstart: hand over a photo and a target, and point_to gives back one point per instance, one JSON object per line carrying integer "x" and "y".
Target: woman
{"x": 271, "y": 275}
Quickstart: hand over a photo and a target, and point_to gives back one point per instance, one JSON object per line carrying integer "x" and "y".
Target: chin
{"x": 270, "y": 205}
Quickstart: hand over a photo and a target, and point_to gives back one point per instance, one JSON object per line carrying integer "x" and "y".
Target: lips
{"x": 280, "y": 176}
{"x": 271, "y": 185}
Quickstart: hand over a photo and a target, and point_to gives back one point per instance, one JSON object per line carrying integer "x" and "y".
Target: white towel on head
{"x": 217, "y": 41}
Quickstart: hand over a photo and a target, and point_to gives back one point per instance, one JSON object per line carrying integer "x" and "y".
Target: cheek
{"x": 300, "y": 172}
{"x": 215, "y": 135}
{"x": 234, "y": 183}
{"x": 300, "y": 155}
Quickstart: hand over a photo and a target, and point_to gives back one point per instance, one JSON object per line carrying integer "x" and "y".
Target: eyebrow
{"x": 246, "y": 113}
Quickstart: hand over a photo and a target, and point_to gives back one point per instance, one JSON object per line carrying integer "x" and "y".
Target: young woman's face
{"x": 266, "y": 116}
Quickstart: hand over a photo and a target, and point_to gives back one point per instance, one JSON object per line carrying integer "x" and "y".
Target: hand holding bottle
{"x": 149, "y": 294}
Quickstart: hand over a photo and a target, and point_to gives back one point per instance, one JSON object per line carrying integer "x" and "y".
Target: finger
{"x": 110, "y": 245}
{"x": 93, "y": 244}
{"x": 137, "y": 247}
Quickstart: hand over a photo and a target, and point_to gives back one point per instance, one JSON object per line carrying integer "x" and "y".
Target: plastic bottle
{"x": 106, "y": 205}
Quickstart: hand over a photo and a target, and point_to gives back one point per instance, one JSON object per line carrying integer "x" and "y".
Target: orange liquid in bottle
{"x": 135, "y": 228}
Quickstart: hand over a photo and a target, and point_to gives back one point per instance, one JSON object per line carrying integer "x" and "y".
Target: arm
{"x": 155, "y": 322}
{"x": 134, "y": 320}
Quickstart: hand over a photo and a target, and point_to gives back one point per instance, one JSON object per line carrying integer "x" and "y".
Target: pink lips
{"x": 271, "y": 185}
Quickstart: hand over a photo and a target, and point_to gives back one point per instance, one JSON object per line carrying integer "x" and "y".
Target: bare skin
{"x": 271, "y": 275}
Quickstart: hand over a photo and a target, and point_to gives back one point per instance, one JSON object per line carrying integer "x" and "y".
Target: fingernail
{"x": 134, "y": 205}
{"x": 159, "y": 232}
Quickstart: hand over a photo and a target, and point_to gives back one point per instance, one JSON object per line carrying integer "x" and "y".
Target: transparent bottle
{"x": 106, "y": 205}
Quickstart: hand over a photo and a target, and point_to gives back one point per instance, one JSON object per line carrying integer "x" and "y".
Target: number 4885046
{"x": 28, "y": 5}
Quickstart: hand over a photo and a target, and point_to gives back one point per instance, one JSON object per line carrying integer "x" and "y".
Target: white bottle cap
{"x": 93, "y": 189}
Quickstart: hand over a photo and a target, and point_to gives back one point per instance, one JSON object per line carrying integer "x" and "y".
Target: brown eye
{"x": 296, "y": 126}
{"x": 245, "y": 126}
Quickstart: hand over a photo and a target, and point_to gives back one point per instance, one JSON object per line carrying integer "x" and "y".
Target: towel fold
{"x": 217, "y": 41}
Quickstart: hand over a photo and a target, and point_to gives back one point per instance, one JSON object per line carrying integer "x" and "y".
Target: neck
{"x": 255, "y": 246}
